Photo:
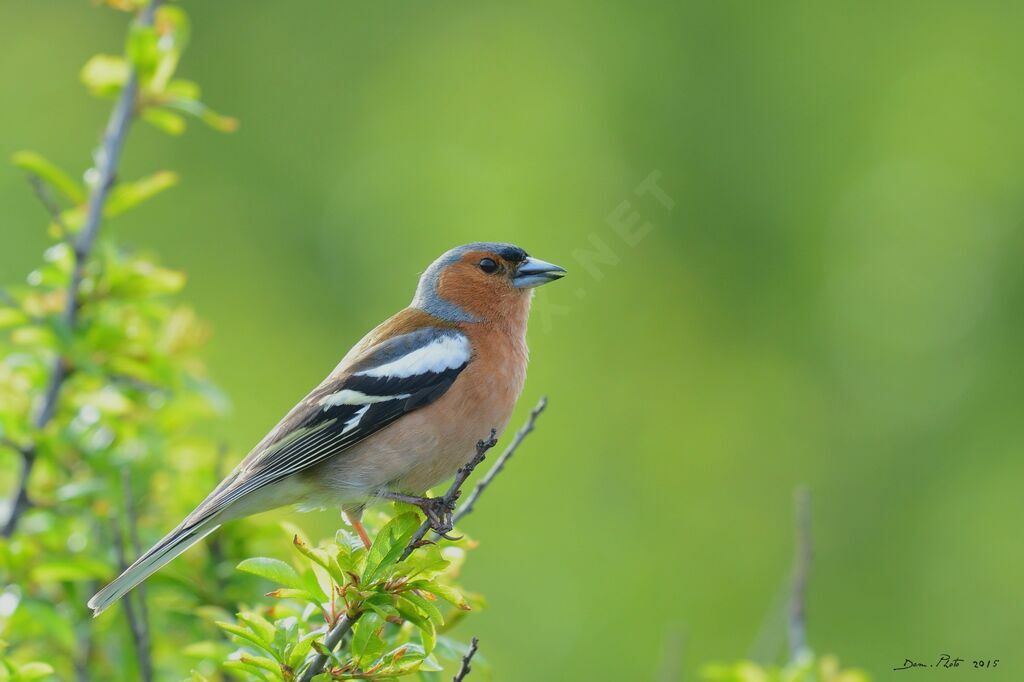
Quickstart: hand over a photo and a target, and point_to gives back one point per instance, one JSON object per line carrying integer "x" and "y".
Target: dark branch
{"x": 106, "y": 162}
{"x": 464, "y": 670}
{"x": 454, "y": 490}
{"x": 802, "y": 557}
{"x": 135, "y": 626}
{"x": 140, "y": 624}
{"x": 332, "y": 640}
{"x": 488, "y": 478}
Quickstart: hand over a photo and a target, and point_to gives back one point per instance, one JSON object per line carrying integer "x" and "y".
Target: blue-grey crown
{"x": 428, "y": 299}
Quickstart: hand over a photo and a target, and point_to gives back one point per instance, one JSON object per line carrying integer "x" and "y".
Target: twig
{"x": 28, "y": 451}
{"x": 464, "y": 670}
{"x": 86, "y": 642}
{"x": 488, "y": 478}
{"x": 49, "y": 203}
{"x": 803, "y": 554}
{"x": 134, "y": 624}
{"x": 140, "y": 626}
{"x": 106, "y": 162}
{"x": 454, "y": 490}
{"x": 333, "y": 638}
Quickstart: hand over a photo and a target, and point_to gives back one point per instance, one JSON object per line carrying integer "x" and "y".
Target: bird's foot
{"x": 437, "y": 510}
{"x": 357, "y": 524}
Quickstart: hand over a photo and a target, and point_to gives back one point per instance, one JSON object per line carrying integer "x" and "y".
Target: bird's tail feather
{"x": 173, "y": 544}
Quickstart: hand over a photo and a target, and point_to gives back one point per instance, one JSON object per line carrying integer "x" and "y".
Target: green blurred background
{"x": 834, "y": 299}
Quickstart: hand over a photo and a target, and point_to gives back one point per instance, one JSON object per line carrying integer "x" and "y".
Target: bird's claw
{"x": 439, "y": 514}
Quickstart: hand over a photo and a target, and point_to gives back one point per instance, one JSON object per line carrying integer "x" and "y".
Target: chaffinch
{"x": 399, "y": 414}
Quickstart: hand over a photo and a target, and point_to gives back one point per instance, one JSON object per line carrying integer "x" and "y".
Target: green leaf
{"x": 428, "y": 632}
{"x": 105, "y": 74}
{"x": 261, "y": 662}
{"x": 127, "y": 195}
{"x": 248, "y": 670}
{"x": 12, "y": 317}
{"x": 320, "y": 557}
{"x": 184, "y": 89}
{"x": 72, "y": 569}
{"x": 246, "y": 635}
{"x": 166, "y": 121}
{"x": 382, "y": 604}
{"x": 274, "y": 570}
{"x": 426, "y": 561}
{"x": 426, "y": 606}
{"x": 321, "y": 648}
{"x": 291, "y": 593}
{"x": 430, "y": 665}
{"x": 260, "y": 625}
{"x": 143, "y": 50}
{"x": 78, "y": 489}
{"x": 298, "y": 654}
{"x": 34, "y": 670}
{"x": 446, "y": 592}
{"x": 45, "y": 170}
{"x": 206, "y": 649}
{"x": 389, "y": 544}
{"x": 367, "y": 642}
{"x": 172, "y": 21}
{"x": 225, "y": 124}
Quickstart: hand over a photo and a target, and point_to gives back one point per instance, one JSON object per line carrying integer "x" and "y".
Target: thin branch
{"x": 106, "y": 162}
{"x": 333, "y": 639}
{"x": 48, "y": 201}
{"x": 86, "y": 642}
{"x": 140, "y": 624}
{"x": 454, "y": 490}
{"x": 802, "y": 556}
{"x": 133, "y": 617}
{"x": 464, "y": 670}
{"x": 488, "y": 478}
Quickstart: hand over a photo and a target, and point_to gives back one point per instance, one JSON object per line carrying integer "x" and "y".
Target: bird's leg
{"x": 353, "y": 519}
{"x": 437, "y": 510}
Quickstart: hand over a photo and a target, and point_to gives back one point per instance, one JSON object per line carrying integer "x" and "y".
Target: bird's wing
{"x": 386, "y": 381}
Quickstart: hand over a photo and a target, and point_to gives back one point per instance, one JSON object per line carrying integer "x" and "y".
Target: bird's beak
{"x": 533, "y": 272}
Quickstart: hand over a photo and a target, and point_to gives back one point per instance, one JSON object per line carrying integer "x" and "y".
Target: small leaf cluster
{"x": 154, "y": 51}
{"x": 400, "y": 610}
{"x": 810, "y": 669}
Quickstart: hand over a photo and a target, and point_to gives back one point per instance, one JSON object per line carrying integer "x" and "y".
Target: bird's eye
{"x": 488, "y": 265}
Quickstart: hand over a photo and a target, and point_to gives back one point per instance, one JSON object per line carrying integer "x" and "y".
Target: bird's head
{"x": 482, "y": 281}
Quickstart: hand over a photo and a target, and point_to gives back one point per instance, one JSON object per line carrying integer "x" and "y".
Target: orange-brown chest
{"x": 482, "y": 398}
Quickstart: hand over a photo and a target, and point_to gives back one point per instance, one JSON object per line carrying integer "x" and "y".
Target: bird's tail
{"x": 174, "y": 543}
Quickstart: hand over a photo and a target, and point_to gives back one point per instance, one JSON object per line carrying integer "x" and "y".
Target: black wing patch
{"x": 399, "y": 376}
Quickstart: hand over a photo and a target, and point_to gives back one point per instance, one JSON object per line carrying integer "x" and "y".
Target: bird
{"x": 401, "y": 412}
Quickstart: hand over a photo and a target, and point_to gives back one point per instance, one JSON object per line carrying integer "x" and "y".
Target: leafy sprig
{"x": 398, "y": 611}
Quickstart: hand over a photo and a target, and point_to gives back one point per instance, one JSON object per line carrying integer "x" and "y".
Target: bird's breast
{"x": 481, "y": 399}
{"x": 425, "y": 447}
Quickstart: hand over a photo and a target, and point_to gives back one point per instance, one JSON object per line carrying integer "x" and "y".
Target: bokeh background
{"x": 833, "y": 299}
